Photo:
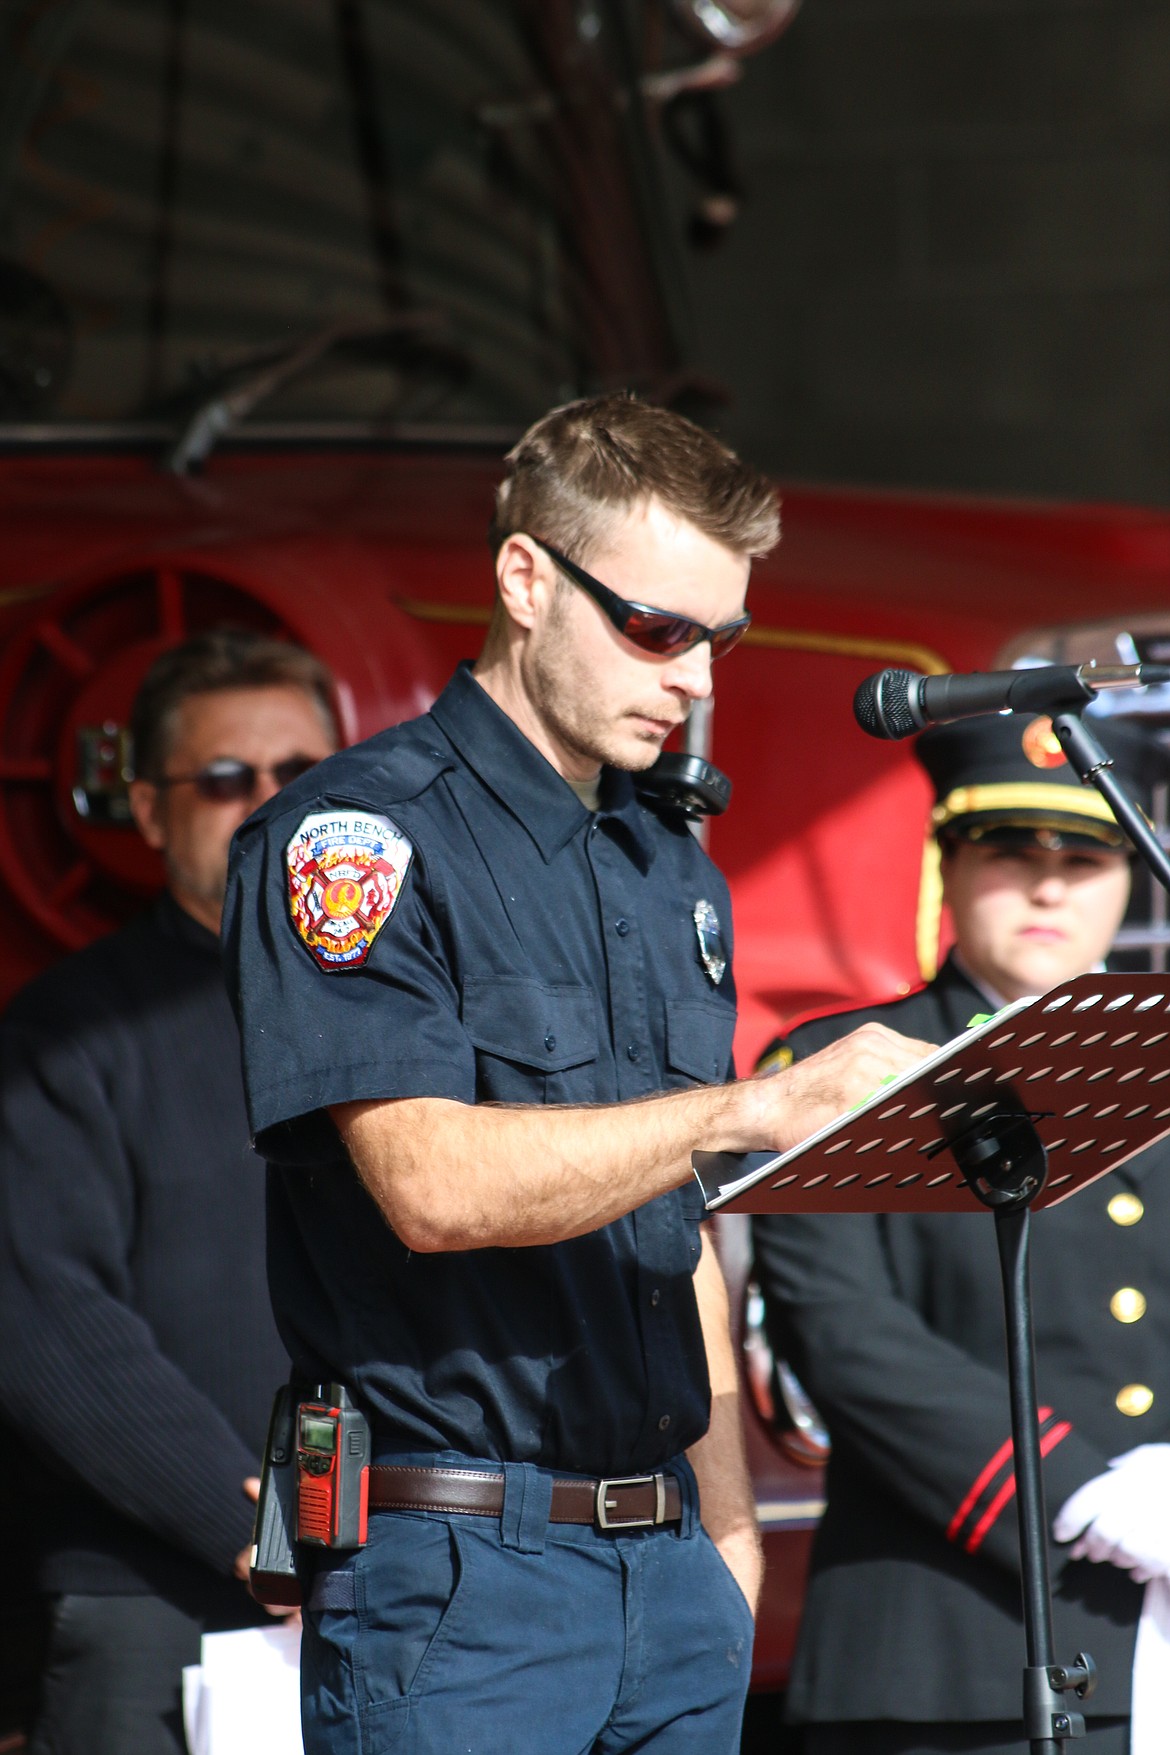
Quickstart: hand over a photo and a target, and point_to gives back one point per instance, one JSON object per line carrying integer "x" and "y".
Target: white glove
{"x": 1123, "y": 1516}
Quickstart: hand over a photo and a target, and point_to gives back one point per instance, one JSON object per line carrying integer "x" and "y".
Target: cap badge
{"x": 345, "y": 872}
{"x": 1041, "y": 744}
{"x": 712, "y": 950}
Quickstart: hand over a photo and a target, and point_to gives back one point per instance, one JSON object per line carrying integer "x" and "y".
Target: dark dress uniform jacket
{"x": 536, "y": 952}
{"x": 895, "y": 1327}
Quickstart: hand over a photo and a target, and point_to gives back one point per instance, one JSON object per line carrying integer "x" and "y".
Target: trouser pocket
{"x": 361, "y": 1668}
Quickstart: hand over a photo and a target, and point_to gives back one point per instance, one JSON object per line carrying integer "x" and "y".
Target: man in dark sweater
{"x": 912, "y": 1642}
{"x": 136, "y": 1337}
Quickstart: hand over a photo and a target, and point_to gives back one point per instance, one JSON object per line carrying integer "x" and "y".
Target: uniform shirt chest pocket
{"x": 533, "y": 1043}
{"x": 698, "y": 1041}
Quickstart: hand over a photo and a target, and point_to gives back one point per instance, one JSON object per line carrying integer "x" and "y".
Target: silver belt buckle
{"x": 604, "y": 1505}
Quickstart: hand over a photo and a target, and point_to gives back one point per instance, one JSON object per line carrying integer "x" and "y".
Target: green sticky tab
{"x": 980, "y": 1018}
{"x": 888, "y": 1080}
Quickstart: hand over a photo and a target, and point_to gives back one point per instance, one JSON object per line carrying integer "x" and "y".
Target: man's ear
{"x": 524, "y": 578}
{"x": 146, "y": 808}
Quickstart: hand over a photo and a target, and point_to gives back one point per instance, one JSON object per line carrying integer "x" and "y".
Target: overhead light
{"x": 739, "y": 27}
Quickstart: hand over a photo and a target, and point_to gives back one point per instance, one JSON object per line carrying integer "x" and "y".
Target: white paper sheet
{"x": 1151, "y": 1670}
{"x": 244, "y": 1694}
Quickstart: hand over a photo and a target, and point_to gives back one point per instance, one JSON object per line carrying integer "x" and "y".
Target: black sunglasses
{"x": 227, "y": 781}
{"x": 654, "y": 630}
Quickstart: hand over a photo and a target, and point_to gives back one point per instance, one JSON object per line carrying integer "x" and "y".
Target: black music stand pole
{"x": 1004, "y": 1163}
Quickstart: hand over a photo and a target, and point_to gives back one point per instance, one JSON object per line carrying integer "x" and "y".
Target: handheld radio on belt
{"x": 333, "y": 1471}
{"x": 314, "y": 1486}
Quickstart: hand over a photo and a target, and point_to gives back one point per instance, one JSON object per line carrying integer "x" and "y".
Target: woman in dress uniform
{"x": 912, "y": 1641}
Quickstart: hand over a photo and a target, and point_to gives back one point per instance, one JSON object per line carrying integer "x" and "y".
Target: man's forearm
{"x": 459, "y": 1176}
{"x": 450, "y": 1175}
{"x": 719, "y": 1459}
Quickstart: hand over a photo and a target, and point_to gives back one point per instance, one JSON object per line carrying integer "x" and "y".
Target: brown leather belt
{"x": 624, "y": 1503}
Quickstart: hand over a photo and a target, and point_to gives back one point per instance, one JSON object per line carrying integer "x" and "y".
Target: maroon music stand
{"x": 1020, "y": 1112}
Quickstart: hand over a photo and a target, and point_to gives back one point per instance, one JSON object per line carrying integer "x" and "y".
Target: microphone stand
{"x": 1087, "y": 758}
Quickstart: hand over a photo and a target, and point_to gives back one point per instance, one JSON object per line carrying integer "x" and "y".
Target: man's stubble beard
{"x": 555, "y": 680}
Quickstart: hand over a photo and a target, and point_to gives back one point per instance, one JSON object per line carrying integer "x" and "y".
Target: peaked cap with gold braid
{"x": 1003, "y": 777}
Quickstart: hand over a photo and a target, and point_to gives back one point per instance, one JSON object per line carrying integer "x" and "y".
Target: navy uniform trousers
{"x": 567, "y": 1640}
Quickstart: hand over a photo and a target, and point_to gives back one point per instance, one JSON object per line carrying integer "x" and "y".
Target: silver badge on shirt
{"x": 710, "y": 935}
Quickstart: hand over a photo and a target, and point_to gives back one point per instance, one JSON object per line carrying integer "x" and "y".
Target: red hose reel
{"x": 71, "y": 862}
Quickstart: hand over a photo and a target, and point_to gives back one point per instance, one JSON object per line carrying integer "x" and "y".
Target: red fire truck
{"x": 274, "y": 295}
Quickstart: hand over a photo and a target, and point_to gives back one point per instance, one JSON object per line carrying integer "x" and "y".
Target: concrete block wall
{"x": 952, "y": 268}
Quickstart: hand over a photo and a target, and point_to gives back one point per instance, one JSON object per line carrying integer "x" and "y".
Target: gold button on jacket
{"x": 1125, "y": 1209}
{"x": 1128, "y": 1304}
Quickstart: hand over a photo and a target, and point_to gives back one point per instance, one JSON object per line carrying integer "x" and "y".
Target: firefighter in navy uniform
{"x": 459, "y": 953}
{"x": 912, "y": 1635}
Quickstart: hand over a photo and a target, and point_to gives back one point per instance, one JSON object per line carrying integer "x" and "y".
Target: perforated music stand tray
{"x": 1088, "y": 1063}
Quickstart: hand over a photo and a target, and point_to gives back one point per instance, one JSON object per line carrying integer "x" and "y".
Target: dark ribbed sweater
{"x": 138, "y": 1353}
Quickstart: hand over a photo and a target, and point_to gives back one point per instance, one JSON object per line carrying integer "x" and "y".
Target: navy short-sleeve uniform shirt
{"x": 518, "y": 949}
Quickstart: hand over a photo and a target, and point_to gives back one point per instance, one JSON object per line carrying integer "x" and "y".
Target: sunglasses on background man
{"x": 228, "y": 781}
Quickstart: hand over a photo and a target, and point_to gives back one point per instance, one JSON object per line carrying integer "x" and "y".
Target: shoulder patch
{"x": 346, "y": 869}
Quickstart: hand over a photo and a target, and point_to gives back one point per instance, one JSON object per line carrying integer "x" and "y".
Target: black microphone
{"x": 896, "y": 703}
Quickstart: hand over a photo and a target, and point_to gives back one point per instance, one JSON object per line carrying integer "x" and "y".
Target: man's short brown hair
{"x": 588, "y": 462}
{"x": 211, "y": 663}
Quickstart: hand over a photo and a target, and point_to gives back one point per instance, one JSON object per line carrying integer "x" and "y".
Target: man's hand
{"x": 743, "y": 1555}
{"x": 1123, "y": 1516}
{"x": 242, "y": 1565}
{"x": 805, "y": 1097}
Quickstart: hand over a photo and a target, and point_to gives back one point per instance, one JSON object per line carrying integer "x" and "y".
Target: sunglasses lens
{"x": 284, "y": 773}
{"x": 668, "y": 635}
{"x": 226, "y": 782}
{"x": 724, "y": 639}
{"x": 664, "y": 635}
